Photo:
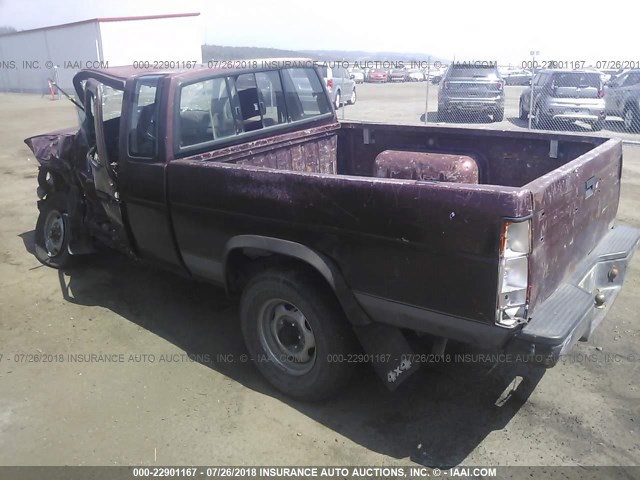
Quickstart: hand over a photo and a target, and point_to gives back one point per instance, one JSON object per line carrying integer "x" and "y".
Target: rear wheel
{"x": 631, "y": 117}
{"x": 540, "y": 121}
{"x": 338, "y": 101}
{"x": 296, "y": 333}
{"x": 498, "y": 116}
{"x": 353, "y": 98}
{"x": 52, "y": 232}
{"x": 522, "y": 114}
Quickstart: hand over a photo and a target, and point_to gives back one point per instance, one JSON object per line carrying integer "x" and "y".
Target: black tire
{"x": 354, "y": 97}
{"x": 522, "y": 114}
{"x": 540, "y": 121}
{"x": 498, "y": 116}
{"x": 52, "y": 232}
{"x": 631, "y": 117}
{"x": 309, "y": 380}
{"x": 338, "y": 100}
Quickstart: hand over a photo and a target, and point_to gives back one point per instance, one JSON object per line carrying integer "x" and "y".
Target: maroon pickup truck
{"x": 337, "y": 237}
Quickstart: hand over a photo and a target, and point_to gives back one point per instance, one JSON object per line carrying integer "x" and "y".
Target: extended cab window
{"x": 143, "y": 129}
{"x": 205, "y": 112}
{"x": 270, "y": 91}
{"x": 261, "y": 100}
{"x": 305, "y": 96}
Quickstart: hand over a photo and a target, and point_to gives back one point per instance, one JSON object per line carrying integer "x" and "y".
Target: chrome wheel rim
{"x": 287, "y": 337}
{"x": 54, "y": 233}
{"x": 353, "y": 97}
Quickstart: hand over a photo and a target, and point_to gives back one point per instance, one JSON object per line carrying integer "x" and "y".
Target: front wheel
{"x": 52, "y": 232}
{"x": 296, "y": 334}
{"x": 338, "y": 101}
{"x": 498, "y": 116}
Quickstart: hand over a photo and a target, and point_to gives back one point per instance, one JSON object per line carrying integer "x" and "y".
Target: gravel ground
{"x": 169, "y": 392}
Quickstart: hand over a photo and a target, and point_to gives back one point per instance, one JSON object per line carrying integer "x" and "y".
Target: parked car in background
{"x": 398, "y": 75}
{"x": 357, "y": 75}
{"x": 612, "y": 73}
{"x": 415, "y": 75}
{"x": 604, "y": 76}
{"x": 622, "y": 99}
{"x": 564, "y": 96}
{"x": 435, "y": 76}
{"x": 377, "y": 75}
{"x": 517, "y": 77}
{"x": 340, "y": 86}
{"x": 468, "y": 89}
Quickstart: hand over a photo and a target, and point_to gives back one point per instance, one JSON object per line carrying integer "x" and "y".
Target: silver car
{"x": 564, "y": 96}
{"x": 622, "y": 98}
{"x": 340, "y": 85}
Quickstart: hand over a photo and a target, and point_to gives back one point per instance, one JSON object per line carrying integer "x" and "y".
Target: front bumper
{"x": 576, "y": 308}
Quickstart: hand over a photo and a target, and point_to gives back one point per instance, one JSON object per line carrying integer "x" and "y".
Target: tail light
{"x": 513, "y": 273}
{"x": 329, "y": 84}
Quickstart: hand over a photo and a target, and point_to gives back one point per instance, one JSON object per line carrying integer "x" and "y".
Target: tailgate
{"x": 574, "y": 206}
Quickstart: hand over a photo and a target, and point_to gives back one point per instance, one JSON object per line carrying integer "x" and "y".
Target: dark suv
{"x": 471, "y": 88}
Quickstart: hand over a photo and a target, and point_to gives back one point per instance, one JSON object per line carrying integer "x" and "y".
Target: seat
{"x": 426, "y": 166}
{"x": 251, "y": 107}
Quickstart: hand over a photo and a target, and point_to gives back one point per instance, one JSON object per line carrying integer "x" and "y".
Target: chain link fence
{"x": 476, "y": 94}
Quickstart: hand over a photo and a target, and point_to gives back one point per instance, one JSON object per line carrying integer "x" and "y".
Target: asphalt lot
{"x": 146, "y": 402}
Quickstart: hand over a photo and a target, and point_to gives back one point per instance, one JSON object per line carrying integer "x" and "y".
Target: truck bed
{"x": 415, "y": 253}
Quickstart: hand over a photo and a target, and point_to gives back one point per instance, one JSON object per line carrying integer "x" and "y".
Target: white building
{"x": 29, "y": 58}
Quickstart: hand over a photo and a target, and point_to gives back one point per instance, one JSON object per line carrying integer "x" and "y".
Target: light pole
{"x": 533, "y": 54}
{"x": 426, "y": 102}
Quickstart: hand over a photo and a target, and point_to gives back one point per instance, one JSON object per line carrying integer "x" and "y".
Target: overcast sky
{"x": 465, "y": 29}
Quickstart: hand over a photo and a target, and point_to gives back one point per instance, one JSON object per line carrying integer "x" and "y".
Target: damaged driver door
{"x": 103, "y": 167}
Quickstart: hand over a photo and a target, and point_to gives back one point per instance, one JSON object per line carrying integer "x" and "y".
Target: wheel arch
{"x": 244, "y": 251}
